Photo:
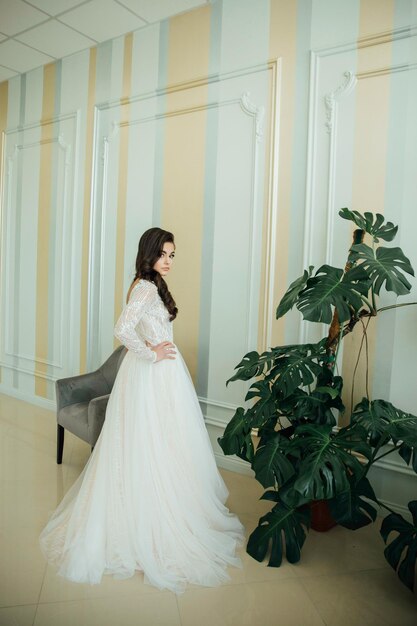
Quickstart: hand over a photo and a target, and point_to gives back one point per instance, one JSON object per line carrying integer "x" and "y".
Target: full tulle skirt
{"x": 150, "y": 497}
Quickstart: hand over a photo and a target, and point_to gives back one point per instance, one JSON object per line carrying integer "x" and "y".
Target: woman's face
{"x": 163, "y": 264}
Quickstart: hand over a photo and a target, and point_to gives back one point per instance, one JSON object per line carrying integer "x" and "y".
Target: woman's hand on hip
{"x": 164, "y": 350}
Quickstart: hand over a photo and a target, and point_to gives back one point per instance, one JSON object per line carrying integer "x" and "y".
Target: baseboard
{"x": 44, "y": 403}
{"x": 233, "y": 464}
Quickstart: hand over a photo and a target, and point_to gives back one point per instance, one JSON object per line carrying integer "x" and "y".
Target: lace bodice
{"x": 144, "y": 318}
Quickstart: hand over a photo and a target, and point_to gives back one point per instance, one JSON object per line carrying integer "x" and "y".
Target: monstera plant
{"x": 302, "y": 455}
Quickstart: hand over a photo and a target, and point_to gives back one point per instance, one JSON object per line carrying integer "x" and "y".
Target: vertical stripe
{"x": 160, "y": 123}
{"x": 54, "y": 266}
{"x": 44, "y": 222}
{"x": 86, "y": 207}
{"x": 207, "y": 248}
{"x": 119, "y": 296}
{"x": 4, "y": 96}
{"x": 283, "y": 26}
{"x": 299, "y": 155}
{"x": 184, "y": 171}
{"x": 369, "y": 171}
{"x": 17, "y": 239}
{"x": 393, "y": 343}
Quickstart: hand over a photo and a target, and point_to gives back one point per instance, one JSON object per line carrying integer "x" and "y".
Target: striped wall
{"x": 214, "y": 125}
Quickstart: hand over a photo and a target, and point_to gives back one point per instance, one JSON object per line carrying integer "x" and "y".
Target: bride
{"x": 150, "y": 497}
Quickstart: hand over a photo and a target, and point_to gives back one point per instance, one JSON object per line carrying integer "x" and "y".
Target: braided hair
{"x": 150, "y": 249}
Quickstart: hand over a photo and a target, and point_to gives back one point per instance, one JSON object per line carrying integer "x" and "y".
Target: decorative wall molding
{"x": 255, "y": 113}
{"x": 323, "y": 134}
{"x": 331, "y": 98}
{"x": 258, "y": 112}
{"x": 22, "y": 138}
{"x": 102, "y": 146}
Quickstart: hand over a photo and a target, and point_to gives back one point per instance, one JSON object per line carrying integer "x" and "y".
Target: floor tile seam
{"x": 105, "y": 597}
{"x": 15, "y": 606}
{"x": 244, "y": 582}
{"x": 266, "y": 580}
{"x": 344, "y": 573}
{"x": 178, "y": 610}
{"x": 315, "y": 605}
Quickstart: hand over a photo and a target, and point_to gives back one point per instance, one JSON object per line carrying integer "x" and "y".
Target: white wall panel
{"x": 21, "y": 173}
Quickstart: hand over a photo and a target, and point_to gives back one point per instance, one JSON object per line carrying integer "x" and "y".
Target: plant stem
{"x": 372, "y": 287}
{"x": 387, "y": 507}
{"x": 385, "y": 454}
{"x": 354, "y": 372}
{"x": 365, "y": 328}
{"x": 395, "y": 306}
{"x": 372, "y": 307}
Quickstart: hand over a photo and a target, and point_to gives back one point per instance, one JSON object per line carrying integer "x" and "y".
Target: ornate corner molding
{"x": 66, "y": 148}
{"x": 331, "y": 98}
{"x": 250, "y": 108}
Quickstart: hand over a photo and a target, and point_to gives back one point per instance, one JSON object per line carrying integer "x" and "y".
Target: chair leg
{"x": 60, "y": 444}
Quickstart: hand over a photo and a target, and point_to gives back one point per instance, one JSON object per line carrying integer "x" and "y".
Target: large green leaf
{"x": 270, "y": 463}
{"x": 383, "y": 421}
{"x": 372, "y": 224}
{"x": 237, "y": 438}
{"x": 349, "y": 509}
{"x": 252, "y": 364}
{"x": 318, "y": 405}
{"x": 331, "y": 287}
{"x": 326, "y": 460}
{"x": 297, "y": 367}
{"x": 291, "y": 296}
{"x": 401, "y": 553}
{"x": 283, "y": 527}
{"x": 384, "y": 266}
{"x": 264, "y": 408}
{"x": 370, "y": 418}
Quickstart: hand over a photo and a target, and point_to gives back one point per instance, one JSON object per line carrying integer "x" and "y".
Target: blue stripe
{"x": 17, "y": 244}
{"x": 209, "y": 206}
{"x": 160, "y": 123}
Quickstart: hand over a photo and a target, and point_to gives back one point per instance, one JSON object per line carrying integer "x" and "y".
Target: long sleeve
{"x": 141, "y": 297}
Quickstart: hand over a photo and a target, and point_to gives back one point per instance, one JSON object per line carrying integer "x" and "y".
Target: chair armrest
{"x": 81, "y": 388}
{"x": 96, "y": 415}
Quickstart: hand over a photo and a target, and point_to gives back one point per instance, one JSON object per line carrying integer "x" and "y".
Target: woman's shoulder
{"x": 141, "y": 285}
{"x": 147, "y": 284}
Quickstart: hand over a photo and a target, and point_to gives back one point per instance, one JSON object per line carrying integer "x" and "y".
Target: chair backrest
{"x": 110, "y": 367}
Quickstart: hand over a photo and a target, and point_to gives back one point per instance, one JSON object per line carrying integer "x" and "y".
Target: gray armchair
{"x": 82, "y": 401}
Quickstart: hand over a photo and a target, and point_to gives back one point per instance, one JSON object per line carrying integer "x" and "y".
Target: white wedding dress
{"x": 150, "y": 497}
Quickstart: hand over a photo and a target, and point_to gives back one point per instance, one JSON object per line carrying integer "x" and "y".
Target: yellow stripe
{"x": 184, "y": 171}
{"x": 119, "y": 296}
{"x": 369, "y": 168}
{"x": 283, "y": 38}
{"x": 86, "y": 211}
{"x": 44, "y": 218}
{"x": 4, "y": 95}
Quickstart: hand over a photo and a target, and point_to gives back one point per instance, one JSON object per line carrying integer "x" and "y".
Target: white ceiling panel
{"x": 19, "y": 57}
{"x": 55, "y": 39}
{"x": 5, "y": 73}
{"x": 35, "y": 32}
{"x": 102, "y": 19}
{"x": 16, "y": 16}
{"x": 153, "y": 11}
{"x": 53, "y": 7}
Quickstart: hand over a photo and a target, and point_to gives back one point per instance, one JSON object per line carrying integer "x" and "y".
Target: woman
{"x": 150, "y": 497}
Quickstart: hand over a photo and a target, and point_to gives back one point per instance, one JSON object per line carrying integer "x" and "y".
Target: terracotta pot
{"x": 321, "y": 518}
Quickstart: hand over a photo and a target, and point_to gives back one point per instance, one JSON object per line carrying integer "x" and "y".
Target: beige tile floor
{"x": 342, "y": 580}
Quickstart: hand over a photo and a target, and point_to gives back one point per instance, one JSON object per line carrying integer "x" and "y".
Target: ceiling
{"x": 35, "y": 32}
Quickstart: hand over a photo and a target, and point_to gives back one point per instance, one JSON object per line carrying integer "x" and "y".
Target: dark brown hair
{"x": 150, "y": 248}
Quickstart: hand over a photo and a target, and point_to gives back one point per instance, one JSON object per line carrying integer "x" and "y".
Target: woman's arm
{"x": 141, "y": 298}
